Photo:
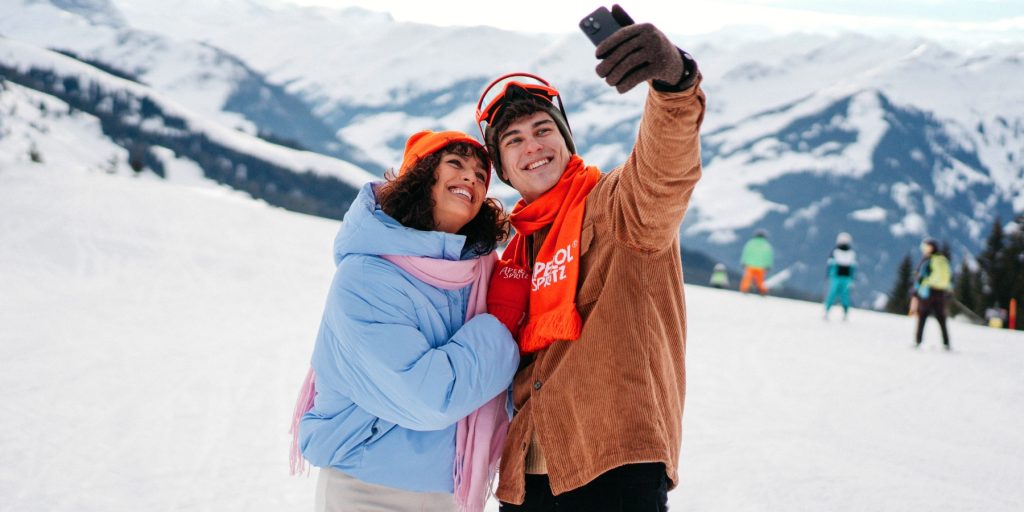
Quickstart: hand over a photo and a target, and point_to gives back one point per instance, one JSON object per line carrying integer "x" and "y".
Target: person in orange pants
{"x": 757, "y": 258}
{"x": 757, "y": 276}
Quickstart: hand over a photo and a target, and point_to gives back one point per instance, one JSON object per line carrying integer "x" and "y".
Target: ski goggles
{"x": 494, "y": 96}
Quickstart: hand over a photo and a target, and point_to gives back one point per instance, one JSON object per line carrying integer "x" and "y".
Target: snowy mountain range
{"x": 805, "y": 136}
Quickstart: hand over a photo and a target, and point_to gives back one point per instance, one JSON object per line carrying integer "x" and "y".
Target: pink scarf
{"x": 479, "y": 437}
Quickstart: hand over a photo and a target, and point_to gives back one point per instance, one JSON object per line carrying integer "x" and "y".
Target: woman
{"x": 931, "y": 289}
{"x": 396, "y": 363}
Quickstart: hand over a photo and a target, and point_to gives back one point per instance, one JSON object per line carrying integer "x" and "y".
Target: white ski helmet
{"x": 844, "y": 238}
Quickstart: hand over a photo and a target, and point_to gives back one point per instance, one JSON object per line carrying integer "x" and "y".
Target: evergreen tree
{"x": 34, "y": 155}
{"x": 968, "y": 289}
{"x": 995, "y": 283}
{"x": 137, "y": 157}
{"x": 1013, "y": 261}
{"x": 945, "y": 249}
{"x": 899, "y": 297}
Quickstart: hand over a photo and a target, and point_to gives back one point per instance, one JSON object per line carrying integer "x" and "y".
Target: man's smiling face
{"x": 533, "y": 154}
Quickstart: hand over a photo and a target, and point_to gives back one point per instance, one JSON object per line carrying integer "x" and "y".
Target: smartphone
{"x": 598, "y": 25}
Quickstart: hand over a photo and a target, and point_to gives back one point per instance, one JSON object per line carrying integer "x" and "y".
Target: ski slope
{"x": 153, "y": 336}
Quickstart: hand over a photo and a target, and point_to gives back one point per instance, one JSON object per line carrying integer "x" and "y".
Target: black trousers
{"x": 631, "y": 488}
{"x": 934, "y": 305}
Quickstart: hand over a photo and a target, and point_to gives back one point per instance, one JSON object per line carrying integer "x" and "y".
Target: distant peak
{"x": 367, "y": 14}
{"x": 98, "y": 12}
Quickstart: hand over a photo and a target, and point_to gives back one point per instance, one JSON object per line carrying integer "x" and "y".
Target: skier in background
{"x": 719, "y": 277}
{"x": 842, "y": 266}
{"x": 757, "y": 259}
{"x": 995, "y": 317}
{"x": 931, "y": 289}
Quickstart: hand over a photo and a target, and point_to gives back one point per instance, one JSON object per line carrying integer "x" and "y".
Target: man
{"x": 757, "y": 258}
{"x": 599, "y": 395}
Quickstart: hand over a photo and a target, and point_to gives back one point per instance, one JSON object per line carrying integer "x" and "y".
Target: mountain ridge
{"x": 805, "y": 135}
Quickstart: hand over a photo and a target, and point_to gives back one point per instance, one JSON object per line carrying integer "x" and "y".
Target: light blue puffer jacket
{"x": 395, "y": 366}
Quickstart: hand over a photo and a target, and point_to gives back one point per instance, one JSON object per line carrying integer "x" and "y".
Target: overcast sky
{"x": 980, "y": 20}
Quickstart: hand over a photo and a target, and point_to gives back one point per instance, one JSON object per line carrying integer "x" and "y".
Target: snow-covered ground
{"x": 153, "y": 335}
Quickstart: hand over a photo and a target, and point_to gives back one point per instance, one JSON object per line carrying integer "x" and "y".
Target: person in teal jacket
{"x": 396, "y": 363}
{"x": 757, "y": 259}
{"x": 842, "y": 268}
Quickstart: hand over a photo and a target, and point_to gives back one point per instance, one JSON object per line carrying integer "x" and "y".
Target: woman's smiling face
{"x": 459, "y": 192}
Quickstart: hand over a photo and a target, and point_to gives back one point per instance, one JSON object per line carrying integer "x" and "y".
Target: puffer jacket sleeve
{"x": 390, "y": 367}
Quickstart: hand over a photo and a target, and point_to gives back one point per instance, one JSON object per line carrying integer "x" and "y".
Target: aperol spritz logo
{"x": 548, "y": 273}
{"x": 512, "y": 272}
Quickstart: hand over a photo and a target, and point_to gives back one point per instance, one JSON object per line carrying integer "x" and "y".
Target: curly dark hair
{"x": 407, "y": 199}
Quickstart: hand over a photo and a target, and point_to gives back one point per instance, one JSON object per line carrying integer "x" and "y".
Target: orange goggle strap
{"x": 486, "y": 114}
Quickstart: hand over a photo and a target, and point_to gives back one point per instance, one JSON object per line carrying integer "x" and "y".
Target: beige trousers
{"x": 338, "y": 492}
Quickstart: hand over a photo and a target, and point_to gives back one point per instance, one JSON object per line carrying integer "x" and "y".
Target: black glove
{"x": 638, "y": 53}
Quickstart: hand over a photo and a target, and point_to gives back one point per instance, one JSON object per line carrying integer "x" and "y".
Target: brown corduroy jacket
{"x": 615, "y": 395}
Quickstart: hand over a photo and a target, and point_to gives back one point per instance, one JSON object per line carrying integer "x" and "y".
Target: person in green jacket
{"x": 757, "y": 259}
{"x": 931, "y": 289}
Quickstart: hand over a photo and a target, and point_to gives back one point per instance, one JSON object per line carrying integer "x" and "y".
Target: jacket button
{"x": 537, "y": 385}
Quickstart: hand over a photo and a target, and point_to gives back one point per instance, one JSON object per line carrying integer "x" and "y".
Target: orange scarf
{"x": 553, "y": 314}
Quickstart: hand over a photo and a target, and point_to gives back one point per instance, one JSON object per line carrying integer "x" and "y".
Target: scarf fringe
{"x": 303, "y": 404}
{"x": 489, "y": 425}
{"x": 541, "y": 331}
